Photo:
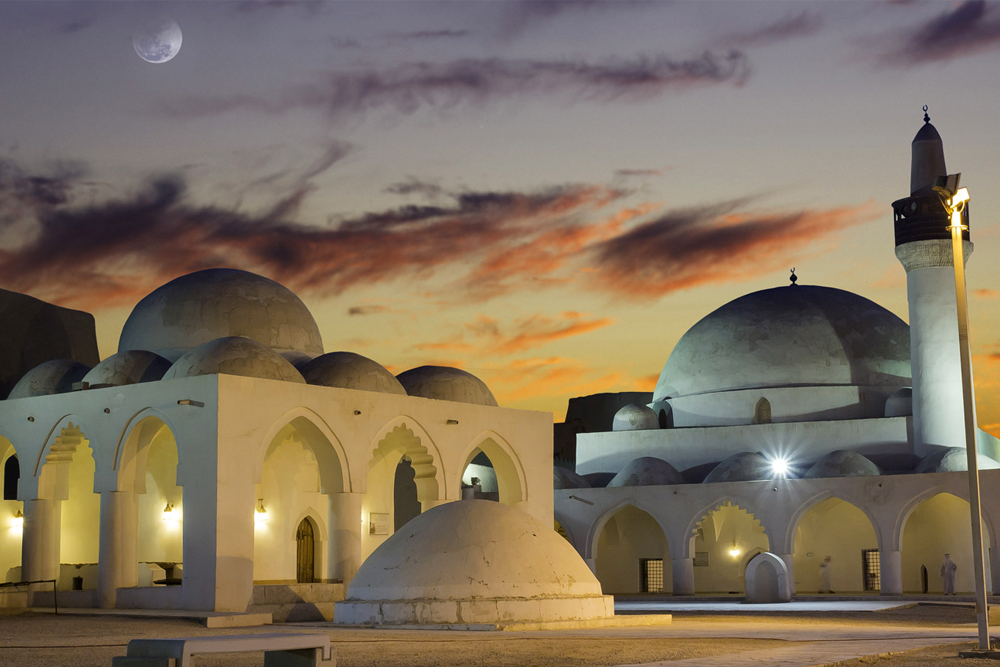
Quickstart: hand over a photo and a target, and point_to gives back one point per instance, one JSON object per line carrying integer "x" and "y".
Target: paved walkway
{"x": 796, "y": 606}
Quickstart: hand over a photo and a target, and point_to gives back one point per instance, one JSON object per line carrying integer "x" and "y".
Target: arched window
{"x": 11, "y": 475}
{"x": 762, "y": 412}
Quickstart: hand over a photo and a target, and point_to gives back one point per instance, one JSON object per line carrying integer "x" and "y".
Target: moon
{"x": 158, "y": 42}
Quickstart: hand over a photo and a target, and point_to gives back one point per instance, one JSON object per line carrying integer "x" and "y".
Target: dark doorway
{"x": 405, "y": 504}
{"x": 11, "y": 475}
{"x": 305, "y": 563}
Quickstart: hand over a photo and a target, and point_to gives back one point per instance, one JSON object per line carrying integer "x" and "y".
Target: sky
{"x": 545, "y": 194}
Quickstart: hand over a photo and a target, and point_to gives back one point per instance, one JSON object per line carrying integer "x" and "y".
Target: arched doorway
{"x": 305, "y": 552}
{"x": 479, "y": 479}
{"x": 838, "y": 530}
{"x": 405, "y": 505}
{"x": 160, "y": 548}
{"x": 722, "y": 542}
{"x": 939, "y": 525}
{"x": 11, "y": 514}
{"x": 632, "y": 554}
{"x": 493, "y": 463}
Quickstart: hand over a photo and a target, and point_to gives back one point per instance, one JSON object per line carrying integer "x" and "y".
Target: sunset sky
{"x": 545, "y": 194}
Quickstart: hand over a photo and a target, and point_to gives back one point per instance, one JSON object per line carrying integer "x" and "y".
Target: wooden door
{"x": 305, "y": 553}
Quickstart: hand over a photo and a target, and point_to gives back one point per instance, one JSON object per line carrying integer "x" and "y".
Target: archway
{"x": 761, "y": 412}
{"x": 11, "y": 513}
{"x": 722, "y": 541}
{"x": 495, "y": 465}
{"x": 838, "y": 530}
{"x": 479, "y": 479}
{"x": 939, "y": 525}
{"x": 405, "y": 505}
{"x": 160, "y": 544}
{"x": 305, "y": 552}
{"x": 632, "y": 554}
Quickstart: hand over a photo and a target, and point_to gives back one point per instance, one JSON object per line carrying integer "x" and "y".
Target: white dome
{"x": 350, "y": 371}
{"x": 741, "y": 467}
{"x": 473, "y": 561}
{"x": 801, "y": 335}
{"x": 128, "y": 368}
{"x": 52, "y": 377}
{"x": 446, "y": 384}
{"x": 635, "y": 417}
{"x": 216, "y": 303}
{"x": 842, "y": 463}
{"x": 647, "y": 471}
{"x": 234, "y": 356}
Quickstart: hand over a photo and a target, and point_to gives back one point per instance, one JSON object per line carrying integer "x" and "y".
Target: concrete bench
{"x": 280, "y": 650}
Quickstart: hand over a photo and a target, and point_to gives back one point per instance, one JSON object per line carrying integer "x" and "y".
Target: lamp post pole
{"x": 955, "y": 206}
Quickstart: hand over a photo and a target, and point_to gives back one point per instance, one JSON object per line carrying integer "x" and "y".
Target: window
{"x": 652, "y": 574}
{"x": 870, "y": 568}
{"x": 11, "y": 475}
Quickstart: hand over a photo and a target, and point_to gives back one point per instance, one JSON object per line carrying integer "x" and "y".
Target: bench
{"x": 280, "y": 650}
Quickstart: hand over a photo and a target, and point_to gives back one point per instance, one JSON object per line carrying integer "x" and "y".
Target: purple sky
{"x": 545, "y": 194}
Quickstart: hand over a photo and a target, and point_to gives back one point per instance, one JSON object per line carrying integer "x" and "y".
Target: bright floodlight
{"x": 961, "y": 196}
{"x": 780, "y": 467}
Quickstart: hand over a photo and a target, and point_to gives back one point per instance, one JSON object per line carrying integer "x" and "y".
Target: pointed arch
{"x": 722, "y": 501}
{"x": 511, "y": 480}
{"x": 907, "y": 509}
{"x": 132, "y": 448}
{"x": 61, "y": 444}
{"x": 408, "y": 435}
{"x": 311, "y": 514}
{"x": 597, "y": 527}
{"x": 316, "y": 434}
{"x": 805, "y": 507}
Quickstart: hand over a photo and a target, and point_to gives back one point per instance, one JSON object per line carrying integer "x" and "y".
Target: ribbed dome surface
{"x": 789, "y": 336}
{"x": 234, "y": 356}
{"x": 216, "y": 303}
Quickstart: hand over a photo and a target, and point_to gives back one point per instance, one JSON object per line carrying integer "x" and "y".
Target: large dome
{"x": 444, "y": 383}
{"x": 473, "y": 561}
{"x": 350, "y": 371}
{"x": 800, "y": 335}
{"x": 216, "y": 303}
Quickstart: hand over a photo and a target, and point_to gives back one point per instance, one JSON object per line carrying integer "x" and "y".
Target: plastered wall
{"x": 837, "y": 529}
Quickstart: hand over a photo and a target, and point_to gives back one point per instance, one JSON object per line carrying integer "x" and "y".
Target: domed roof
{"x": 742, "y": 467}
{"x": 647, "y": 471}
{"x": 128, "y": 368}
{"x": 350, "y": 371}
{"x": 469, "y": 556}
{"x": 842, "y": 463}
{"x": 953, "y": 459}
{"x": 446, "y": 384}
{"x": 217, "y": 303}
{"x": 567, "y": 479}
{"x": 795, "y": 335}
{"x": 635, "y": 417}
{"x": 52, "y": 377}
{"x": 234, "y": 356}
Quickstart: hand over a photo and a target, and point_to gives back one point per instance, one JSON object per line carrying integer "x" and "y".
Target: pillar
{"x": 787, "y": 560}
{"x": 40, "y": 539}
{"x": 891, "y": 572}
{"x": 117, "y": 565}
{"x": 346, "y": 524}
{"x": 683, "y": 575}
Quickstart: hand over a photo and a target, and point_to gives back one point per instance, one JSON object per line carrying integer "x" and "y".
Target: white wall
{"x": 837, "y": 529}
{"x": 159, "y": 540}
{"x": 81, "y": 511}
{"x": 937, "y": 526}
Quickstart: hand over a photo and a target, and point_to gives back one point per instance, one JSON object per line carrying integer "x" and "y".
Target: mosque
{"x": 221, "y": 451}
{"x": 804, "y": 421}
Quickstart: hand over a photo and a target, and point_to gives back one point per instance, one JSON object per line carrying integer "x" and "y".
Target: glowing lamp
{"x": 260, "y": 514}
{"x": 170, "y": 516}
{"x": 18, "y": 520}
{"x": 779, "y": 467}
{"x": 960, "y": 197}
{"x": 735, "y": 551}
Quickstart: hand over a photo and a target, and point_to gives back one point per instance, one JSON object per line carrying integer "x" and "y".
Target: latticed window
{"x": 871, "y": 569}
{"x": 652, "y": 574}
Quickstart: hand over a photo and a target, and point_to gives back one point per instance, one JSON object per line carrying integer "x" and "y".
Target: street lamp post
{"x": 955, "y": 200}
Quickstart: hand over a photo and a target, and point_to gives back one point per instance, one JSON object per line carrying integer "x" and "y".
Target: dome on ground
{"x": 446, "y": 384}
{"x": 647, "y": 471}
{"x": 842, "y": 463}
{"x": 52, "y": 377}
{"x": 635, "y": 417}
{"x": 234, "y": 356}
{"x": 127, "y": 368}
{"x": 742, "y": 467}
{"x": 953, "y": 459}
{"x": 350, "y": 371}
{"x": 795, "y": 335}
{"x": 216, "y": 303}
{"x": 567, "y": 479}
{"x": 473, "y": 561}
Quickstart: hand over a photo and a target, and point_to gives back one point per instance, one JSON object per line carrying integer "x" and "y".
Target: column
{"x": 683, "y": 576}
{"x": 40, "y": 539}
{"x": 117, "y": 565}
{"x": 345, "y": 523}
{"x": 891, "y": 572}
{"x": 787, "y": 559}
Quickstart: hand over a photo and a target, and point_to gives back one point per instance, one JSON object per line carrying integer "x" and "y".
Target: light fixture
{"x": 779, "y": 467}
{"x": 735, "y": 551}
{"x": 260, "y": 514}
{"x": 169, "y": 515}
{"x": 18, "y": 521}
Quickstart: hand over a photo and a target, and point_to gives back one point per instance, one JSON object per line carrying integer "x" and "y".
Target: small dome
{"x": 567, "y": 479}
{"x": 742, "y": 467}
{"x": 842, "y": 463}
{"x": 801, "y": 335}
{"x": 234, "y": 356}
{"x": 635, "y": 417}
{"x": 473, "y": 561}
{"x": 446, "y": 384}
{"x": 217, "y": 303}
{"x": 52, "y": 377}
{"x": 598, "y": 480}
{"x": 953, "y": 459}
{"x": 900, "y": 403}
{"x": 350, "y": 371}
{"x": 128, "y": 368}
{"x": 647, "y": 471}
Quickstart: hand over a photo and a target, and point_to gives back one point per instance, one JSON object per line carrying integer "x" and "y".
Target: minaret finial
{"x": 793, "y": 277}
{"x": 927, "y": 118}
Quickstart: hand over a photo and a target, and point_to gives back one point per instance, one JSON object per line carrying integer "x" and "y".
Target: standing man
{"x": 948, "y": 569}
{"x": 825, "y": 575}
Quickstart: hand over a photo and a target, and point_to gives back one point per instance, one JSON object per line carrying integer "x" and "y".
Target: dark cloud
{"x": 965, "y": 29}
{"x": 426, "y": 35}
{"x": 408, "y": 88}
{"x": 368, "y": 310}
{"x": 711, "y": 244}
{"x": 802, "y": 24}
{"x": 413, "y": 185}
{"x": 628, "y": 173}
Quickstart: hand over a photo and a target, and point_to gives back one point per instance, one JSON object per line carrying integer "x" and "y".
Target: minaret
{"x": 923, "y": 245}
